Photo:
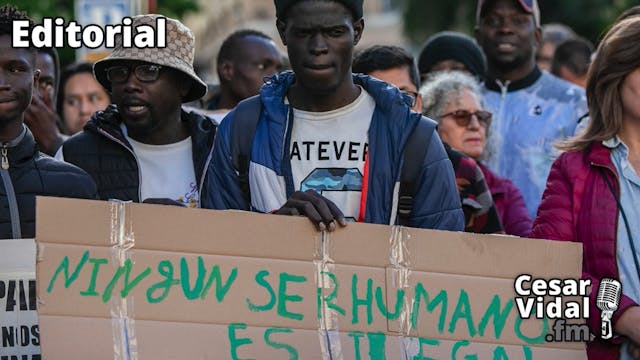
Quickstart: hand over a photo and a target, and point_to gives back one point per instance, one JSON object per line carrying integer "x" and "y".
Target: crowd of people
{"x": 517, "y": 130}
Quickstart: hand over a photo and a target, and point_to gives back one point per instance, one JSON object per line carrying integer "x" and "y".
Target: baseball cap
{"x": 529, "y": 6}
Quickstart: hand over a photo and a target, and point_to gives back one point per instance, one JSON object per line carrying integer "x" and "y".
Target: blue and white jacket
{"x": 529, "y": 116}
{"x": 436, "y": 199}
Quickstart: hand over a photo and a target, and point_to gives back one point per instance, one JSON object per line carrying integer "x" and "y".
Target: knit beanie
{"x": 449, "y": 45}
{"x": 354, "y": 5}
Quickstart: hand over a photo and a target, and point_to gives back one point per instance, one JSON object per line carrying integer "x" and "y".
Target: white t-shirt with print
{"x": 328, "y": 152}
{"x": 166, "y": 171}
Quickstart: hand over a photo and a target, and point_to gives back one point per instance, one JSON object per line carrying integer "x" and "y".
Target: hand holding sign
{"x": 321, "y": 211}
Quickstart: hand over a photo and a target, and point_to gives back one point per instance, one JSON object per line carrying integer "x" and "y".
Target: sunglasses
{"x": 143, "y": 72}
{"x": 463, "y": 117}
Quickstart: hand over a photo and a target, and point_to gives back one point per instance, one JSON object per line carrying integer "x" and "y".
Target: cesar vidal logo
{"x": 566, "y": 301}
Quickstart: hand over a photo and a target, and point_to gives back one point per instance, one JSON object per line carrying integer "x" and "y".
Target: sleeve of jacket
{"x": 554, "y": 220}
{"x": 436, "y": 203}
{"x": 224, "y": 188}
{"x": 516, "y": 219}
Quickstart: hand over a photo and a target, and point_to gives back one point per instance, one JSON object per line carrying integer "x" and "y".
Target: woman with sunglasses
{"x": 593, "y": 190}
{"x": 453, "y": 99}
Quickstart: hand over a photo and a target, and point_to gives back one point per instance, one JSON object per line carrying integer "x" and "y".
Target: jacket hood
{"x": 389, "y": 100}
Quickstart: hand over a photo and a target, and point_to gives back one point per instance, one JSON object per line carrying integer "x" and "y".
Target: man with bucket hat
{"x": 532, "y": 109}
{"x": 144, "y": 147}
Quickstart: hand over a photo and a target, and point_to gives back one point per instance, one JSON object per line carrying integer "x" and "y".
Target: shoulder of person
{"x": 562, "y": 89}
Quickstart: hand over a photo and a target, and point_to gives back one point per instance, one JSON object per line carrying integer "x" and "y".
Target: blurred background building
{"x": 406, "y": 23}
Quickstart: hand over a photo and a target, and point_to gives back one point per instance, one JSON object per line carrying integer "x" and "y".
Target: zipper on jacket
{"x": 11, "y": 194}
{"x": 204, "y": 174}
{"x": 113, "y": 138}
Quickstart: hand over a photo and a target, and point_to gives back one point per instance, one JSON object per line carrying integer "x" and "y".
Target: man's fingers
{"x": 320, "y": 210}
{"x": 46, "y": 96}
{"x": 337, "y": 213}
{"x": 294, "y": 206}
{"x": 321, "y": 205}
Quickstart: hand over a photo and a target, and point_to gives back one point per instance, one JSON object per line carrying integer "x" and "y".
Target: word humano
{"x": 55, "y": 33}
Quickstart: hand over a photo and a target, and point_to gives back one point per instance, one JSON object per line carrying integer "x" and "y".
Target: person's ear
{"x": 282, "y": 29}
{"x": 226, "y": 71}
{"x": 358, "y": 28}
{"x": 537, "y": 34}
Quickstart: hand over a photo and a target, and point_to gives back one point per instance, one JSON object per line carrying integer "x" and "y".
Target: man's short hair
{"x": 232, "y": 43}
{"x": 385, "y": 57}
{"x": 556, "y": 33}
{"x": 10, "y": 13}
{"x": 355, "y": 6}
{"x": 574, "y": 54}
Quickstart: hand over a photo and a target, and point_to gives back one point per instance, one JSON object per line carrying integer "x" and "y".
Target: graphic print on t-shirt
{"x": 342, "y": 186}
{"x": 328, "y": 151}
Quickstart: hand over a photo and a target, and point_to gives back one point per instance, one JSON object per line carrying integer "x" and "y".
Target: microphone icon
{"x": 607, "y": 301}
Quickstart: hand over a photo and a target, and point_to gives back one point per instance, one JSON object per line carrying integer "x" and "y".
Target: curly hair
{"x": 8, "y": 14}
{"x": 441, "y": 86}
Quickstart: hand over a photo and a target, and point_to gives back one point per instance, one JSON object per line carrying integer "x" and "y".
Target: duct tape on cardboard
{"x": 328, "y": 331}
{"x": 398, "y": 274}
{"x": 122, "y": 243}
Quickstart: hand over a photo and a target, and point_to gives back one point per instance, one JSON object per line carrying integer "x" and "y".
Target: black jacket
{"x": 103, "y": 151}
{"x": 25, "y": 173}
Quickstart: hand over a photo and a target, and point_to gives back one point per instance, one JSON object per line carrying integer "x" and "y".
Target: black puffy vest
{"x": 32, "y": 173}
{"x": 103, "y": 151}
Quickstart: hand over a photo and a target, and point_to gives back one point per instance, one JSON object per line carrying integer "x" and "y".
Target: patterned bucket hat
{"x": 178, "y": 54}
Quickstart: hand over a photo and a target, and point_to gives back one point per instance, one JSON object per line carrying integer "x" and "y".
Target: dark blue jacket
{"x": 103, "y": 151}
{"x": 30, "y": 174}
{"x": 436, "y": 200}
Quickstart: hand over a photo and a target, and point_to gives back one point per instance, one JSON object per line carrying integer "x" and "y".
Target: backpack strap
{"x": 414, "y": 153}
{"x": 243, "y": 129}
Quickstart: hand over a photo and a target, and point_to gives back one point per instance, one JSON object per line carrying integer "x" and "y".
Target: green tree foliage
{"x": 589, "y": 18}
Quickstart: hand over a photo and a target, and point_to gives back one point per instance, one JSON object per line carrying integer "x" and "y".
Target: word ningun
{"x": 54, "y": 33}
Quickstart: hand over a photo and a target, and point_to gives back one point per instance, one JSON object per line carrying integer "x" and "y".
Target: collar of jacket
{"x": 109, "y": 121}
{"x": 387, "y": 97}
{"x": 534, "y": 75}
{"x": 23, "y": 151}
{"x": 201, "y": 129}
{"x": 600, "y": 155}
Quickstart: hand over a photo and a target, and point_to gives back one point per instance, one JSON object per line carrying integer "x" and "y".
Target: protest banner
{"x": 19, "y": 333}
{"x": 138, "y": 281}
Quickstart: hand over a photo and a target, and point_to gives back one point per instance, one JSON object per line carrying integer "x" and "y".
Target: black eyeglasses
{"x": 414, "y": 96}
{"x": 143, "y": 72}
{"x": 463, "y": 117}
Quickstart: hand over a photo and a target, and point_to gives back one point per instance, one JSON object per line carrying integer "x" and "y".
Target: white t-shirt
{"x": 166, "y": 171}
{"x": 328, "y": 152}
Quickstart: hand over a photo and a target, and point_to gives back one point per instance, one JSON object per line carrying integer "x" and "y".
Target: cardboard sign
{"x": 133, "y": 281}
{"x": 19, "y": 332}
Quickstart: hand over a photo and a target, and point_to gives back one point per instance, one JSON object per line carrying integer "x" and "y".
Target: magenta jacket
{"x": 578, "y": 206}
{"x": 509, "y": 202}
